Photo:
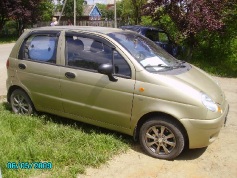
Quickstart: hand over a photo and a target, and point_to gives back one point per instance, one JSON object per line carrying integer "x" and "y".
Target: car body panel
{"x": 42, "y": 80}
{"x": 94, "y": 96}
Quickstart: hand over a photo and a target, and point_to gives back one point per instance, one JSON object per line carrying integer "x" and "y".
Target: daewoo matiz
{"x": 119, "y": 80}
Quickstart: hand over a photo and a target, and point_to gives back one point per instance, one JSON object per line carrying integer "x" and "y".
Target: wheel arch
{"x": 150, "y": 115}
{"x": 13, "y": 88}
{"x": 16, "y": 87}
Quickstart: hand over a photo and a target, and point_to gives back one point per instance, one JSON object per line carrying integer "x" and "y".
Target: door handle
{"x": 70, "y": 75}
{"x": 22, "y": 66}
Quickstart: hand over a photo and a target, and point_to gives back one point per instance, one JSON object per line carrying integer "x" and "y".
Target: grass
{"x": 219, "y": 60}
{"x": 70, "y": 146}
{"x": 217, "y": 68}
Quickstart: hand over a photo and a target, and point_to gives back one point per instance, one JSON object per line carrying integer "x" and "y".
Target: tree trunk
{"x": 190, "y": 46}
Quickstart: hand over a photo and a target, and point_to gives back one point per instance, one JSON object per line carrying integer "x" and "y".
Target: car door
{"x": 161, "y": 39}
{"x": 89, "y": 94}
{"x": 37, "y": 69}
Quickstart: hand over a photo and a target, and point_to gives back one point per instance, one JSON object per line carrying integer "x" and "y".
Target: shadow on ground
{"x": 187, "y": 154}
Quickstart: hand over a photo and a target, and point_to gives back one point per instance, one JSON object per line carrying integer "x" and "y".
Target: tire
{"x": 21, "y": 103}
{"x": 161, "y": 138}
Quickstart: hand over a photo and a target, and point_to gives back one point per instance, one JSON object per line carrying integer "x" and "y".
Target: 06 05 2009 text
{"x": 29, "y": 165}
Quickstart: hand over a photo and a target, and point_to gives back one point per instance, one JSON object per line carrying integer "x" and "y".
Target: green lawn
{"x": 70, "y": 146}
{"x": 218, "y": 68}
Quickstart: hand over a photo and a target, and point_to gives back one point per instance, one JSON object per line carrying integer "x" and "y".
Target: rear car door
{"x": 89, "y": 94}
{"x": 37, "y": 69}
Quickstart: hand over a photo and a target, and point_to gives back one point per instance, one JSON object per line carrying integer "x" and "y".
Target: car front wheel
{"x": 161, "y": 138}
{"x": 21, "y": 103}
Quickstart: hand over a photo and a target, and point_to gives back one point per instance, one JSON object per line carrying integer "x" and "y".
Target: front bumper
{"x": 201, "y": 133}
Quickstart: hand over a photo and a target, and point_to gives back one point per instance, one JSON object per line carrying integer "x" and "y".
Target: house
{"x": 91, "y": 12}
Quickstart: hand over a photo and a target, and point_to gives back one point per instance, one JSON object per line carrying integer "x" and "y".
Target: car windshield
{"x": 152, "y": 57}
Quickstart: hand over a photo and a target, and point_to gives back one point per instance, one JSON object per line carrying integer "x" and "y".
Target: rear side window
{"x": 41, "y": 48}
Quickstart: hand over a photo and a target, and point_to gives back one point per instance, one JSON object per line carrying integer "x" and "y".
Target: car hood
{"x": 200, "y": 80}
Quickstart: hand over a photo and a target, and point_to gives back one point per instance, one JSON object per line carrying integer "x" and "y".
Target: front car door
{"x": 89, "y": 94}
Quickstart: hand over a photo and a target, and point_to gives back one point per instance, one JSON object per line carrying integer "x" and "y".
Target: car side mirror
{"x": 107, "y": 69}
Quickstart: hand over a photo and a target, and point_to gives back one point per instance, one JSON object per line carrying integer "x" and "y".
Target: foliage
{"x": 4, "y": 12}
{"x": 4, "y": 40}
{"x": 70, "y": 146}
{"x": 189, "y": 18}
{"x": 46, "y": 8}
{"x": 131, "y": 11}
{"x": 24, "y": 12}
{"x": 107, "y": 13}
{"x": 126, "y": 12}
{"x": 167, "y": 25}
{"x": 69, "y": 8}
{"x": 219, "y": 48}
{"x": 137, "y": 10}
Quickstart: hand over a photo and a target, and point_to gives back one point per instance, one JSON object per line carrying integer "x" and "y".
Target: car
{"x": 119, "y": 80}
{"x": 157, "y": 35}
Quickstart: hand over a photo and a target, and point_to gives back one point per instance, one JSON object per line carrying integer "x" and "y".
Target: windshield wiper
{"x": 159, "y": 65}
{"x": 164, "y": 66}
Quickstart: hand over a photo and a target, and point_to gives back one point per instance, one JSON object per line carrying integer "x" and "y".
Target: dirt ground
{"x": 217, "y": 160}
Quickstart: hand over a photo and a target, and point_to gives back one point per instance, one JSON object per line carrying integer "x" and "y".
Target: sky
{"x": 96, "y": 1}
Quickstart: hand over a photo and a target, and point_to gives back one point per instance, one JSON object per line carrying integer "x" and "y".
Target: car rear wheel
{"x": 21, "y": 103}
{"x": 161, "y": 138}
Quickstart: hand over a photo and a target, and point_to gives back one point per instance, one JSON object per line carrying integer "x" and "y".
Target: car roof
{"x": 103, "y": 30}
{"x": 139, "y": 28}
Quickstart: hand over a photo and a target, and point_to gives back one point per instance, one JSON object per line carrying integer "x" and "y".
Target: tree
{"x": 24, "y": 12}
{"x": 131, "y": 10}
{"x": 107, "y": 12}
{"x": 46, "y": 9}
{"x": 189, "y": 17}
{"x": 4, "y": 12}
{"x": 69, "y": 8}
{"x": 137, "y": 9}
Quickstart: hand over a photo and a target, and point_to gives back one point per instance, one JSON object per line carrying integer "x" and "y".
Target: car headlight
{"x": 209, "y": 103}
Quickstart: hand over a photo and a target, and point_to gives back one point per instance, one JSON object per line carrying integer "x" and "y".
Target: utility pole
{"x": 75, "y": 12}
{"x": 115, "y": 15}
{"x": 62, "y": 11}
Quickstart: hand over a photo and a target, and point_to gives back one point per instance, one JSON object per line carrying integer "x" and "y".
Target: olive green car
{"x": 119, "y": 80}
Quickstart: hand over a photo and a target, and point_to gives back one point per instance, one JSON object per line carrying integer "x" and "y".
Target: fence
{"x": 100, "y": 23}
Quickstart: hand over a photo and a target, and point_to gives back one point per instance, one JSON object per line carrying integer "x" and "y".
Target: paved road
{"x": 5, "y": 51}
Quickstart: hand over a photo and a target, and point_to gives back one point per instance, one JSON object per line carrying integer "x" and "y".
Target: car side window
{"x": 121, "y": 67}
{"x": 88, "y": 54}
{"x": 41, "y": 48}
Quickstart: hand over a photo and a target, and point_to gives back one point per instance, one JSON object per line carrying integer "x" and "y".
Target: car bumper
{"x": 201, "y": 133}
